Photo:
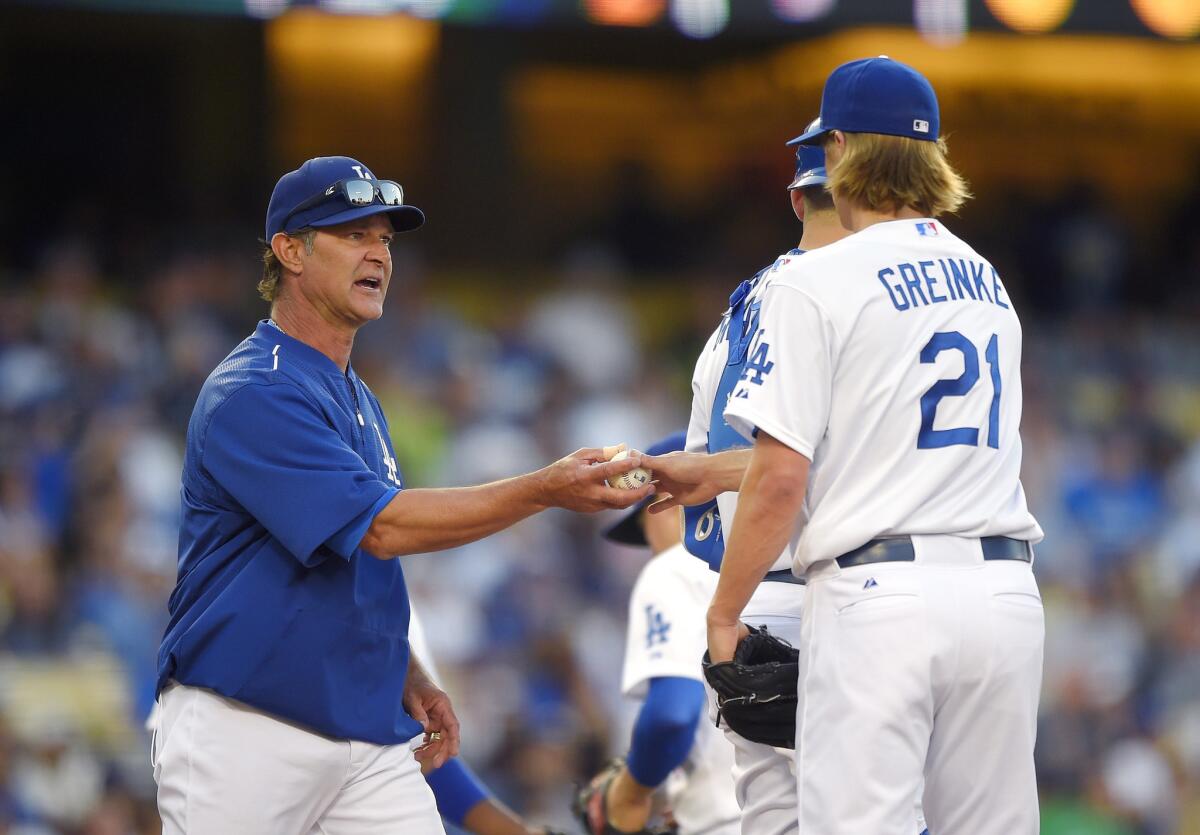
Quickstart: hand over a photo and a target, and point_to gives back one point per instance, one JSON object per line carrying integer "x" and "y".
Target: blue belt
{"x": 900, "y": 549}
{"x": 784, "y": 575}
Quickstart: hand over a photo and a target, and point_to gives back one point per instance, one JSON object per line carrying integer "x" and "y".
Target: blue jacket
{"x": 288, "y": 461}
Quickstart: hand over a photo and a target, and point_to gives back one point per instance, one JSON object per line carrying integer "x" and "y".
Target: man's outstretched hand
{"x": 578, "y": 481}
{"x": 693, "y": 478}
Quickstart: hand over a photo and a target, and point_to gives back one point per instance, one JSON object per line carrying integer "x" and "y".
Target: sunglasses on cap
{"x": 355, "y": 191}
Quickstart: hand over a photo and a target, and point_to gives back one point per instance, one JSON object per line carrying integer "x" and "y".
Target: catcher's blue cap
{"x": 628, "y": 529}
{"x": 313, "y": 177}
{"x": 876, "y": 95}
{"x": 810, "y": 163}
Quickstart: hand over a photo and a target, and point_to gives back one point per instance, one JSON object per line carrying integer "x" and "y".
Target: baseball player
{"x": 883, "y": 396}
{"x": 766, "y": 786}
{"x": 672, "y": 749}
{"x": 765, "y": 775}
{"x": 289, "y": 695}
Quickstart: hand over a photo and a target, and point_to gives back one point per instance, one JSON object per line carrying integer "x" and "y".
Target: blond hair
{"x": 268, "y": 285}
{"x": 890, "y": 173}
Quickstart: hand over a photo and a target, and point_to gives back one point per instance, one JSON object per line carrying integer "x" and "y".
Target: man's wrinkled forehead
{"x": 365, "y": 223}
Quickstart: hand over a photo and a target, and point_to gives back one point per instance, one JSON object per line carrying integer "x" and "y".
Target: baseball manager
{"x": 289, "y": 695}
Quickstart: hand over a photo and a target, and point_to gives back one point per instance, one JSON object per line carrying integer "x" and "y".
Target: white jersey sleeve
{"x": 796, "y": 415}
{"x": 892, "y": 360}
{"x": 667, "y": 635}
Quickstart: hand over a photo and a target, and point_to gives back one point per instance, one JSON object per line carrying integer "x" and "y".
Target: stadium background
{"x": 597, "y": 176}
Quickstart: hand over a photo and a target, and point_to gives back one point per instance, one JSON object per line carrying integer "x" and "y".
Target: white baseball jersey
{"x": 667, "y": 638}
{"x": 892, "y": 360}
{"x": 706, "y": 380}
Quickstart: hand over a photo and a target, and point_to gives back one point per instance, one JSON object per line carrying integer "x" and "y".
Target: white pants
{"x": 764, "y": 777}
{"x": 928, "y": 668}
{"x": 223, "y": 767}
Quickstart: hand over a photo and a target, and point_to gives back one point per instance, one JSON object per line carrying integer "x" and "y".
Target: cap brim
{"x": 628, "y": 529}
{"x": 813, "y": 137}
{"x": 812, "y": 177}
{"x": 404, "y": 218}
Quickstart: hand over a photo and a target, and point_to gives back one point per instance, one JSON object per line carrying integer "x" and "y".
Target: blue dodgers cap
{"x": 876, "y": 95}
{"x": 311, "y": 179}
{"x": 810, "y": 163}
{"x": 628, "y": 530}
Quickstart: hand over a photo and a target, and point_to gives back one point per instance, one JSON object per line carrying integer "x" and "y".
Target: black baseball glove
{"x": 756, "y": 691}
{"x": 591, "y": 804}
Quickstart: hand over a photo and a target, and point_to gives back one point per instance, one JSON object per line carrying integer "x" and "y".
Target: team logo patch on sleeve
{"x": 758, "y": 366}
{"x": 658, "y": 628}
{"x": 927, "y": 228}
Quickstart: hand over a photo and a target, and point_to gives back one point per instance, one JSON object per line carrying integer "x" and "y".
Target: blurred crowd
{"x": 483, "y": 379}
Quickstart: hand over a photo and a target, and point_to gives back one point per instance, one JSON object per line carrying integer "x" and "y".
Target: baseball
{"x": 632, "y": 480}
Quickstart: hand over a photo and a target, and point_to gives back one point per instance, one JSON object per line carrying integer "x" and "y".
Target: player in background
{"x": 461, "y": 798}
{"x": 289, "y": 695}
{"x": 884, "y": 402}
{"x": 673, "y": 749}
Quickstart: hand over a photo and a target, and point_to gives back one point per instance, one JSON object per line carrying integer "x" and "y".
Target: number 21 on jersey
{"x": 930, "y": 438}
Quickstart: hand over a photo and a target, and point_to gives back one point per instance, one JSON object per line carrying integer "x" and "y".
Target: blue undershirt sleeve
{"x": 665, "y": 728}
{"x": 456, "y": 790}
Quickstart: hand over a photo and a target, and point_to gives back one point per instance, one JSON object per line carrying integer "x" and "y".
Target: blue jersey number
{"x": 930, "y": 438}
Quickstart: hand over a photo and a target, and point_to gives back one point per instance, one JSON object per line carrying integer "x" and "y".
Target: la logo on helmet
{"x": 363, "y": 172}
